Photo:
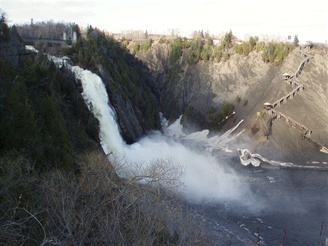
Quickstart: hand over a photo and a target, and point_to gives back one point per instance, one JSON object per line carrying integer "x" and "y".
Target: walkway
{"x": 269, "y": 107}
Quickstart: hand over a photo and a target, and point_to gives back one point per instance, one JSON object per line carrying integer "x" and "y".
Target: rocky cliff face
{"x": 247, "y": 83}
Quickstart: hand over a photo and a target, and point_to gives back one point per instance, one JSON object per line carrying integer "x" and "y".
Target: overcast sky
{"x": 307, "y": 19}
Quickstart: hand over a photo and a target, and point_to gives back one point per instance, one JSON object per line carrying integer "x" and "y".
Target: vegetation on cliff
{"x": 185, "y": 75}
{"x": 43, "y": 114}
{"x": 201, "y": 47}
{"x": 127, "y": 78}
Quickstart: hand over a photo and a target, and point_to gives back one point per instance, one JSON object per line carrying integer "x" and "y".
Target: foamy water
{"x": 203, "y": 178}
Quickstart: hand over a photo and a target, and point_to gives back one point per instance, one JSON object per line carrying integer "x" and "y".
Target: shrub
{"x": 164, "y": 41}
{"x": 135, "y": 47}
{"x": 216, "y": 121}
{"x": 93, "y": 206}
{"x": 226, "y": 56}
{"x": 146, "y": 45}
{"x": 218, "y": 53}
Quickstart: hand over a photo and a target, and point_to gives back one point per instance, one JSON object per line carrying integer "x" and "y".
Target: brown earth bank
{"x": 247, "y": 82}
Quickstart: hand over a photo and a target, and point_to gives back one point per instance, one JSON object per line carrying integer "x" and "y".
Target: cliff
{"x": 247, "y": 82}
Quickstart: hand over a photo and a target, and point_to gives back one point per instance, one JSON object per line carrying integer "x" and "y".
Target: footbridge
{"x": 287, "y": 97}
{"x": 300, "y": 68}
{"x": 306, "y": 132}
{"x": 59, "y": 42}
{"x": 269, "y": 107}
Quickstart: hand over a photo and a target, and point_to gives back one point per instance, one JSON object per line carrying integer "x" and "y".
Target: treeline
{"x": 273, "y": 52}
{"x": 202, "y": 48}
{"x": 49, "y": 29}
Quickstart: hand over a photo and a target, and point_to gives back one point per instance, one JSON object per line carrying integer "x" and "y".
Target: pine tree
{"x": 296, "y": 41}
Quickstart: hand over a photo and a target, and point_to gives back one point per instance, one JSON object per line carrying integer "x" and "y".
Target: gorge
{"x": 246, "y": 213}
{"x": 172, "y": 123}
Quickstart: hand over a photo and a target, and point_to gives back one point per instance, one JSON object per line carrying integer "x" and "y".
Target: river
{"x": 291, "y": 207}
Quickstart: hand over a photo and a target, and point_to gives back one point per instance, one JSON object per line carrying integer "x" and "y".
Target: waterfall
{"x": 203, "y": 177}
{"x": 95, "y": 96}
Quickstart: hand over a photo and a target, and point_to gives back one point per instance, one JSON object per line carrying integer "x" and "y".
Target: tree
{"x": 176, "y": 49}
{"x": 58, "y": 145}
{"x": 227, "y": 41}
{"x": 252, "y": 42}
{"x": 3, "y": 17}
{"x": 4, "y": 29}
{"x": 296, "y": 41}
{"x": 17, "y": 121}
{"x": 206, "y": 53}
{"x": 195, "y": 51}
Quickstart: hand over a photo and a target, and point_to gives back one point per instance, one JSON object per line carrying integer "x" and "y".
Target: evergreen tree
{"x": 18, "y": 123}
{"x": 296, "y": 41}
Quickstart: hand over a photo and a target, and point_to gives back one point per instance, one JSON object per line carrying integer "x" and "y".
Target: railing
{"x": 291, "y": 81}
{"x": 30, "y": 41}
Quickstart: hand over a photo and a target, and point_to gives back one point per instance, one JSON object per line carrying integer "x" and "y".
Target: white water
{"x": 203, "y": 178}
{"x": 95, "y": 96}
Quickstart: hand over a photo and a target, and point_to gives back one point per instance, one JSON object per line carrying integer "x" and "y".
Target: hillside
{"x": 247, "y": 83}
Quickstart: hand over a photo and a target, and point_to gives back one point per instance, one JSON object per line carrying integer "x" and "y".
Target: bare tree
{"x": 95, "y": 206}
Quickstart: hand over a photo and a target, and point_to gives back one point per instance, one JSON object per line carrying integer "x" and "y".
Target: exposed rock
{"x": 200, "y": 87}
{"x": 126, "y": 115}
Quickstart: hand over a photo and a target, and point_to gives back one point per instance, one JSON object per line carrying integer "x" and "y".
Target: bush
{"x": 226, "y": 57}
{"x": 135, "y": 48}
{"x": 218, "y": 53}
{"x": 94, "y": 207}
{"x": 164, "y": 41}
{"x": 146, "y": 45}
{"x": 216, "y": 121}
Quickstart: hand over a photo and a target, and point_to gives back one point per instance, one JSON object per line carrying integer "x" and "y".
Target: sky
{"x": 263, "y": 18}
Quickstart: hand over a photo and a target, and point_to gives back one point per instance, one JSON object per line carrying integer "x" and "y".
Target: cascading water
{"x": 95, "y": 96}
{"x": 202, "y": 178}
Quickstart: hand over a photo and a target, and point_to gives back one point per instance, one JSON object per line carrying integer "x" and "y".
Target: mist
{"x": 202, "y": 179}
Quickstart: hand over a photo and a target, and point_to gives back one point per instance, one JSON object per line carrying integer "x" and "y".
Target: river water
{"x": 291, "y": 209}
